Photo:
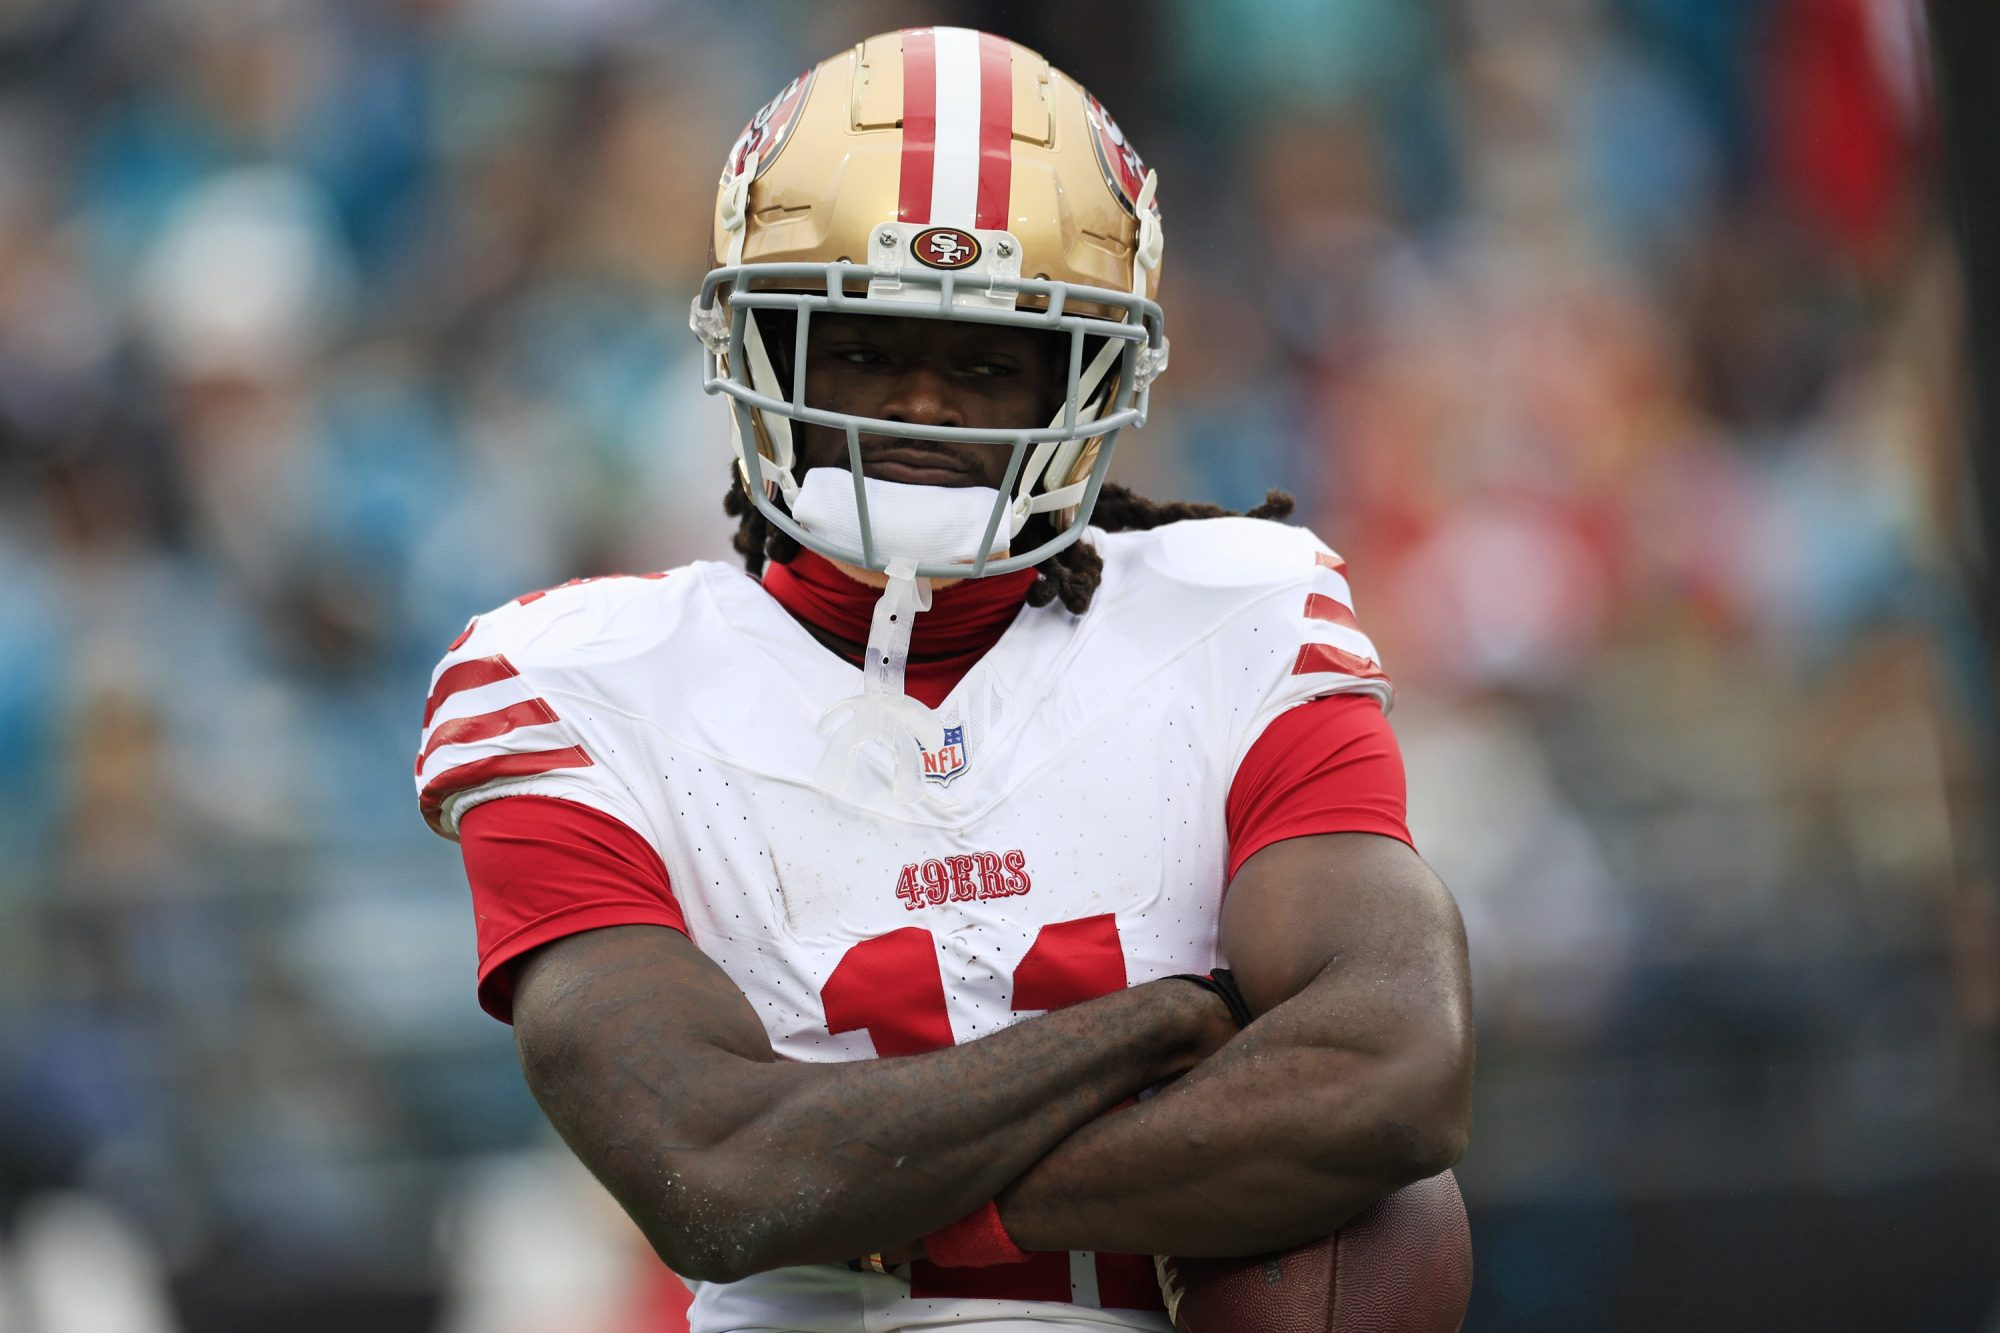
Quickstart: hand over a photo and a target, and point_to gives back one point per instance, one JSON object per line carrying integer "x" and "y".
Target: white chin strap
{"x": 911, "y": 525}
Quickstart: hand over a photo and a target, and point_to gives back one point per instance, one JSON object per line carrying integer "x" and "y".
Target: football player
{"x": 967, "y": 902}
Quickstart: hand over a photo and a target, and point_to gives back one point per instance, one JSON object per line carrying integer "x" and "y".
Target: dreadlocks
{"x": 756, "y": 537}
{"x": 1070, "y": 575}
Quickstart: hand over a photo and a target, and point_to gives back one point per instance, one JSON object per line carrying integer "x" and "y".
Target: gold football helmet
{"x": 939, "y": 173}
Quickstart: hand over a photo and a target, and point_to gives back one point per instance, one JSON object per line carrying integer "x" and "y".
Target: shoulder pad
{"x": 1228, "y": 552}
{"x": 494, "y": 721}
{"x": 1281, "y": 583}
{"x": 605, "y": 617}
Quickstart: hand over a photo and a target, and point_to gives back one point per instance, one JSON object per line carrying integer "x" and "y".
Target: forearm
{"x": 733, "y": 1165}
{"x": 1280, "y": 1138}
{"x": 884, "y": 1151}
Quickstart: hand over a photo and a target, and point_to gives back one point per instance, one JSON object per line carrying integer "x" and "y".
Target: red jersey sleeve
{"x": 1329, "y": 766}
{"x": 542, "y": 868}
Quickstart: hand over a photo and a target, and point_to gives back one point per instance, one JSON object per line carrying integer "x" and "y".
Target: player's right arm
{"x": 656, "y": 1071}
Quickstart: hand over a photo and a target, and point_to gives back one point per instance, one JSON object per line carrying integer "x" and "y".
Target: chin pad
{"x": 923, "y": 525}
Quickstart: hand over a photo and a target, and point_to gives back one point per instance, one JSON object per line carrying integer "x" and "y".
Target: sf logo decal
{"x": 945, "y": 247}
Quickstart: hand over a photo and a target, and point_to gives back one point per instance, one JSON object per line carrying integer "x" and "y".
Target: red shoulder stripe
{"x": 466, "y": 676}
{"x": 1325, "y": 657}
{"x": 485, "y": 726}
{"x": 1321, "y": 607}
{"x": 467, "y": 776}
{"x": 1332, "y": 562}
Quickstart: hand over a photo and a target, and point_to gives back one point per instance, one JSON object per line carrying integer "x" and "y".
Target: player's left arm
{"x": 1354, "y": 1080}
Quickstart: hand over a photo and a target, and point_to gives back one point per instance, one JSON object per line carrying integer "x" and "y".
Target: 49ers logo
{"x": 963, "y": 878}
{"x": 769, "y": 128}
{"x": 945, "y": 247}
{"x": 1123, "y": 169}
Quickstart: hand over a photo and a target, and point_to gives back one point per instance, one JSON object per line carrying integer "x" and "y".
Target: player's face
{"x": 926, "y": 372}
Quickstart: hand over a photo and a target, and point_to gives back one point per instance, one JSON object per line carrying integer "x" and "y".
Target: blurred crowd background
{"x": 1613, "y": 342}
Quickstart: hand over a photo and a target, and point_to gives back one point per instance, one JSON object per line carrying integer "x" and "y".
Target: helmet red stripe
{"x": 913, "y": 202}
{"x": 996, "y": 130}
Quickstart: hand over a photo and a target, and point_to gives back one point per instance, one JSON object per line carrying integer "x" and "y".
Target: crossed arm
{"x": 1354, "y": 1080}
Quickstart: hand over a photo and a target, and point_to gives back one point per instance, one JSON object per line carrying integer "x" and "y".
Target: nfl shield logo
{"x": 948, "y": 760}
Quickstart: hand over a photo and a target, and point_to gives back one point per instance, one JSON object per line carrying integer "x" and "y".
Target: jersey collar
{"x": 965, "y": 619}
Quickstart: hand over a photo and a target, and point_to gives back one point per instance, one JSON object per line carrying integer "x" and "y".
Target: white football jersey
{"x": 1065, "y": 838}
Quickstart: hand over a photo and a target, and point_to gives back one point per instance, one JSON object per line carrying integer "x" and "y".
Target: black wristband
{"x": 1221, "y": 983}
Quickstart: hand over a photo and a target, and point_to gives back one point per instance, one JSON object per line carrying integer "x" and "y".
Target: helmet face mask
{"x": 823, "y": 225}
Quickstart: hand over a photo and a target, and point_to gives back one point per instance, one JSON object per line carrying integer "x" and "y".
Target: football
{"x": 1403, "y": 1266}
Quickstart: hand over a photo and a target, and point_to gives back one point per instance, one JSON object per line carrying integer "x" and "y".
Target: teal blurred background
{"x": 1613, "y": 342}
